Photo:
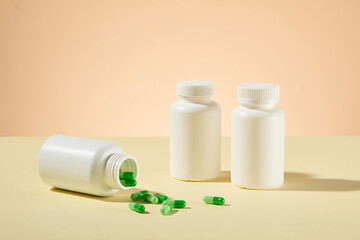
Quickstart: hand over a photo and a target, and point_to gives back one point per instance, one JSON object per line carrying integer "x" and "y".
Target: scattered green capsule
{"x": 138, "y": 195}
{"x": 137, "y": 207}
{"x": 128, "y": 182}
{"x": 161, "y": 197}
{"x": 175, "y": 203}
{"x": 214, "y": 200}
{"x": 166, "y": 210}
{"x": 127, "y": 175}
{"x": 150, "y": 198}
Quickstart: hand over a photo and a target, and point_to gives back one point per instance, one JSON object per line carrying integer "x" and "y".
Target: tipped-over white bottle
{"x": 84, "y": 165}
{"x": 257, "y": 138}
{"x": 195, "y": 133}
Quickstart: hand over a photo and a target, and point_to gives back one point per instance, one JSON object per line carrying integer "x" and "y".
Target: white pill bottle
{"x": 257, "y": 138}
{"x": 195, "y": 133}
{"x": 84, "y": 165}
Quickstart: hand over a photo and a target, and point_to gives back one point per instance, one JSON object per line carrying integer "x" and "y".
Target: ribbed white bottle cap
{"x": 258, "y": 93}
{"x": 195, "y": 88}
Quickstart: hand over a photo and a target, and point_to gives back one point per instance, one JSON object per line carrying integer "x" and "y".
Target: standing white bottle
{"x": 84, "y": 165}
{"x": 195, "y": 133}
{"x": 257, "y": 138}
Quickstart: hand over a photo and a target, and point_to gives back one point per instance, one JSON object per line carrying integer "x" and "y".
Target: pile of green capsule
{"x": 167, "y": 205}
{"x": 127, "y": 179}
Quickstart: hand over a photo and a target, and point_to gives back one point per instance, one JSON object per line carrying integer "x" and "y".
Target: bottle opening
{"x": 129, "y": 165}
{"x": 120, "y": 162}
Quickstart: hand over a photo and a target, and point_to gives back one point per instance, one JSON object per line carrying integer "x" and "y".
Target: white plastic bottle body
{"x": 84, "y": 165}
{"x": 195, "y": 139}
{"x": 257, "y": 147}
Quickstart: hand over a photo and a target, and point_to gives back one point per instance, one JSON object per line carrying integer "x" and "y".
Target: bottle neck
{"x": 260, "y": 106}
{"x": 117, "y": 162}
{"x": 195, "y": 99}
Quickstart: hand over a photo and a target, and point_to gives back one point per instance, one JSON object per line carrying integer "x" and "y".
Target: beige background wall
{"x": 109, "y": 68}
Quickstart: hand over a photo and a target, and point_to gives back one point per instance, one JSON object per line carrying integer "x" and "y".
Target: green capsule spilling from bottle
{"x": 166, "y": 210}
{"x": 127, "y": 175}
{"x": 150, "y": 198}
{"x": 137, "y": 207}
{"x": 128, "y": 182}
{"x": 175, "y": 203}
{"x": 214, "y": 200}
{"x": 161, "y": 197}
{"x": 138, "y": 195}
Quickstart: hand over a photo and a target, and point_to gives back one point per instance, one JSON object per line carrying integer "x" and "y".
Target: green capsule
{"x": 214, "y": 200}
{"x": 175, "y": 203}
{"x": 161, "y": 197}
{"x": 166, "y": 210}
{"x": 127, "y": 175}
{"x": 137, "y": 207}
{"x": 150, "y": 198}
{"x": 138, "y": 195}
{"x": 128, "y": 182}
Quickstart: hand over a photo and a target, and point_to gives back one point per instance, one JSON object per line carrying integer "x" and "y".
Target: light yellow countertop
{"x": 319, "y": 200}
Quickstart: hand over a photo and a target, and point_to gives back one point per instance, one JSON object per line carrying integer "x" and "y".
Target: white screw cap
{"x": 258, "y": 93}
{"x": 195, "y": 88}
